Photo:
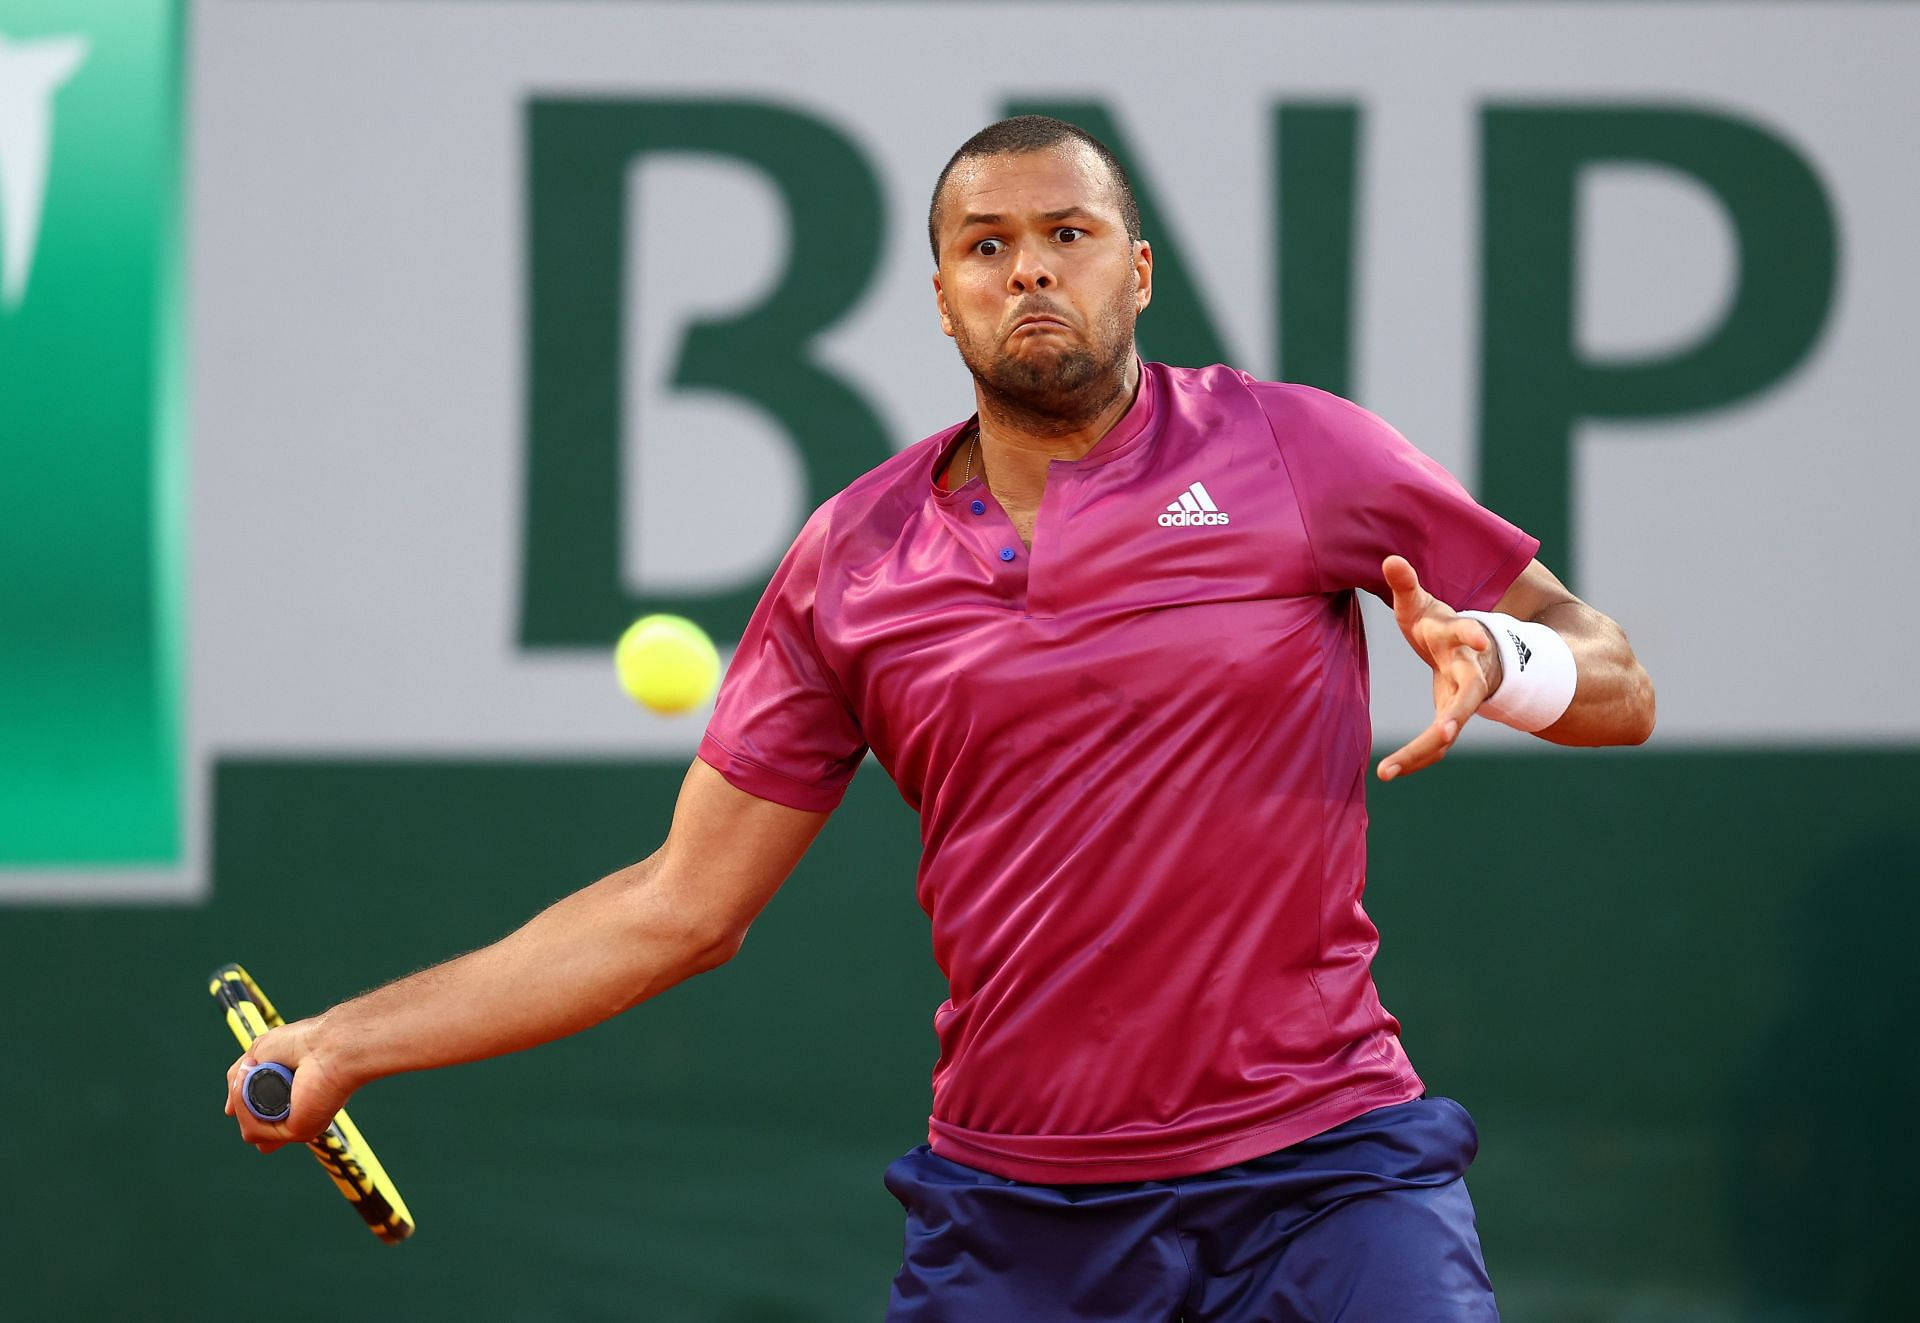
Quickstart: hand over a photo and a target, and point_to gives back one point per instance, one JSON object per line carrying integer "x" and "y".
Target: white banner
{"x": 365, "y": 263}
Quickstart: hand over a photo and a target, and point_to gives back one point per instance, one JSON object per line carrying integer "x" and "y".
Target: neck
{"x": 1017, "y": 443}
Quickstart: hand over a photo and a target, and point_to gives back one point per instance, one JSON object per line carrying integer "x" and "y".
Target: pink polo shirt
{"x": 1139, "y": 756}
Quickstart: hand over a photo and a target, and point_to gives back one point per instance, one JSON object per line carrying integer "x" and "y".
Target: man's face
{"x": 1038, "y": 284}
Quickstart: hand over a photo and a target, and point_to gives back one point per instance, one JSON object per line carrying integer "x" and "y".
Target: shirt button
{"x": 1006, "y": 553}
{"x": 979, "y": 507}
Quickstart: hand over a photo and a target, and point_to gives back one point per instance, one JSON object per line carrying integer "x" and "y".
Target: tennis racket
{"x": 340, "y": 1149}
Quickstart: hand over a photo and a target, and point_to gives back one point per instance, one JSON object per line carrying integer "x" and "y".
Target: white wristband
{"x": 1537, "y": 673}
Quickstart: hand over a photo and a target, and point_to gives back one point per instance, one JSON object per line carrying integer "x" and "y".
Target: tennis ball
{"x": 667, "y": 663}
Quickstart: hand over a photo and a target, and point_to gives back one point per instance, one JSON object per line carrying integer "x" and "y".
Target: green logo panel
{"x": 89, "y": 444}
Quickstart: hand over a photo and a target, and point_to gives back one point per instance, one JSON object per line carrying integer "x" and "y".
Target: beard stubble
{"x": 1058, "y": 390}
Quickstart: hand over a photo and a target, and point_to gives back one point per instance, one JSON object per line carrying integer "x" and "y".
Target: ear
{"x": 1143, "y": 276}
{"x": 940, "y": 302}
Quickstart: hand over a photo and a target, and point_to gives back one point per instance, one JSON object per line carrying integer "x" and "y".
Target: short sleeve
{"x": 782, "y": 730}
{"x": 1365, "y": 493}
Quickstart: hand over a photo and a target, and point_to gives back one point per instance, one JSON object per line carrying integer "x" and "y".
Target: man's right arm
{"x": 631, "y": 935}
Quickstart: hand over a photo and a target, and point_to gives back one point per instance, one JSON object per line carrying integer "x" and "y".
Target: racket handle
{"x": 268, "y": 1091}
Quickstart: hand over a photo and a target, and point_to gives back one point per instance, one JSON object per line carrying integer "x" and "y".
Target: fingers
{"x": 252, "y": 1129}
{"x": 263, "y": 1135}
{"x": 1423, "y": 750}
{"x": 1439, "y": 635}
{"x": 317, "y": 1099}
{"x": 1409, "y": 598}
{"x": 235, "y": 1073}
{"x": 1459, "y": 688}
{"x": 319, "y": 1092}
{"x": 1399, "y": 573}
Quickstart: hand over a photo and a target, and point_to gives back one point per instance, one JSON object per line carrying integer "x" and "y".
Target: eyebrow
{"x": 995, "y": 218}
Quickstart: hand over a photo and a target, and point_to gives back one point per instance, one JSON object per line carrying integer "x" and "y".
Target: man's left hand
{"x": 1466, "y": 666}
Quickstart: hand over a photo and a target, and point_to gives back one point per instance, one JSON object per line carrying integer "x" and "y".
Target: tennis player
{"x": 1104, "y": 636}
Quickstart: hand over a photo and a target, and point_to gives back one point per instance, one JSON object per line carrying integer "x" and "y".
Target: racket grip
{"x": 268, "y": 1091}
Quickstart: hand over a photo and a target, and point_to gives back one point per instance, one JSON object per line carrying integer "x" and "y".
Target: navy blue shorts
{"x": 1367, "y": 1222}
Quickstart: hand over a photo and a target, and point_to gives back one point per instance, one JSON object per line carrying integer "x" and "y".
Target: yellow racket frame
{"x": 340, "y": 1149}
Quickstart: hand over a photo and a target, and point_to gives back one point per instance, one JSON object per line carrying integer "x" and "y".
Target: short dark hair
{"x": 1032, "y": 133}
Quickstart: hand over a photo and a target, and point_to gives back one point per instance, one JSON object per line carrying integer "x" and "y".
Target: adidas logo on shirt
{"x": 1193, "y": 509}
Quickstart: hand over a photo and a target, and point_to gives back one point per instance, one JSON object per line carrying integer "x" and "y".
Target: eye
{"x": 988, "y": 247}
{"x": 1068, "y": 234}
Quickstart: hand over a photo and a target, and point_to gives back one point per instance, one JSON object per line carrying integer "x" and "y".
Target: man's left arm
{"x": 1612, "y": 698}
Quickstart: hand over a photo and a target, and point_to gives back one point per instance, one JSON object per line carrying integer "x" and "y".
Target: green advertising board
{"x": 91, "y": 449}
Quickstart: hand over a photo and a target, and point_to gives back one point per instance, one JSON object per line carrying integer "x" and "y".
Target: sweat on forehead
{"x": 1026, "y": 135}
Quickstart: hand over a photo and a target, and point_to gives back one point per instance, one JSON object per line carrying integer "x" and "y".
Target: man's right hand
{"x": 320, "y": 1089}
{"x": 1461, "y": 652}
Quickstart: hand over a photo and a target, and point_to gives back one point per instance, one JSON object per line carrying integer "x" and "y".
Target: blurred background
{"x": 366, "y": 366}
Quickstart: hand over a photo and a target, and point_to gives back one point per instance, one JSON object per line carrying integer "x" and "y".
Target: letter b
{"x": 579, "y": 153}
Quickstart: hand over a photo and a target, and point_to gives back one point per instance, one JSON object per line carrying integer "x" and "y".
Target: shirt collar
{"x": 1123, "y": 436}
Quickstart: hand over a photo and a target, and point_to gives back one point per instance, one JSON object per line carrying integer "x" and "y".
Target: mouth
{"x": 1039, "y": 322}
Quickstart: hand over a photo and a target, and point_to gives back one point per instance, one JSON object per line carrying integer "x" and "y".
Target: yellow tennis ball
{"x": 667, "y": 663}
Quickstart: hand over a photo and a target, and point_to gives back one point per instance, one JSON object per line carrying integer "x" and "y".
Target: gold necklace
{"x": 971, "y": 450}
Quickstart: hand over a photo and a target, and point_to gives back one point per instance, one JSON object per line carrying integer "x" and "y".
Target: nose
{"x": 1029, "y": 271}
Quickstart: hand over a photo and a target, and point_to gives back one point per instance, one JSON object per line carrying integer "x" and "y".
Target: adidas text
{"x": 1193, "y": 508}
